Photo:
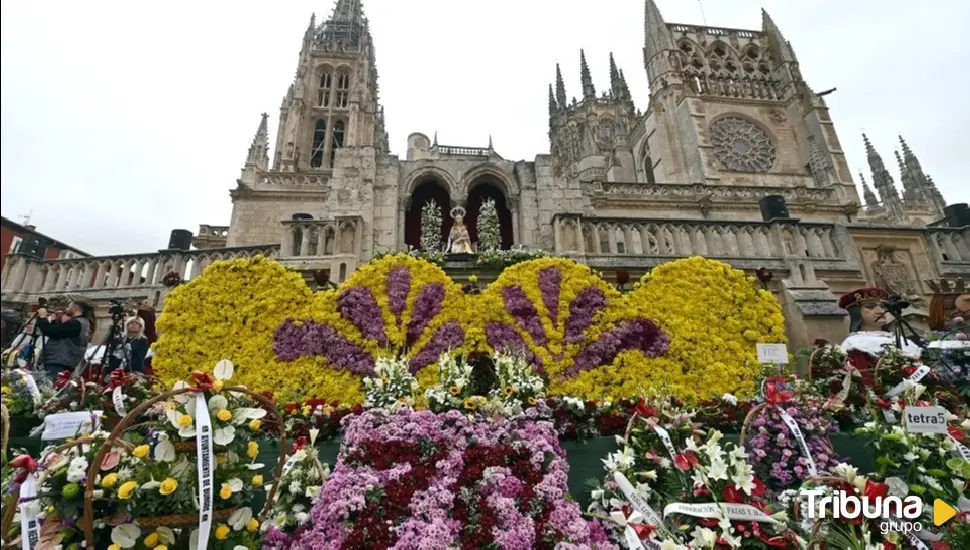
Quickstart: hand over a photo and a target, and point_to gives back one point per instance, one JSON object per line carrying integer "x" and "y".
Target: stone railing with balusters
{"x": 323, "y": 244}
{"x": 101, "y": 278}
{"x": 608, "y": 242}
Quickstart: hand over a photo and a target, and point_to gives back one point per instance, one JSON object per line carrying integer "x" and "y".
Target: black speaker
{"x": 772, "y": 207}
{"x": 302, "y": 217}
{"x": 957, "y": 215}
{"x": 180, "y": 239}
{"x": 32, "y": 245}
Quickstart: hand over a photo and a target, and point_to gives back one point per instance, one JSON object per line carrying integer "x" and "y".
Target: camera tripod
{"x": 112, "y": 346}
{"x": 22, "y": 335}
{"x": 894, "y": 305}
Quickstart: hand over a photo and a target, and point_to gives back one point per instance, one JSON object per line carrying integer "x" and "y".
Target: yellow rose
{"x": 252, "y": 450}
{"x": 114, "y": 547}
{"x": 161, "y": 547}
{"x": 185, "y": 421}
{"x": 257, "y": 480}
{"x": 109, "y": 480}
{"x": 224, "y": 415}
{"x": 255, "y": 424}
{"x": 141, "y": 451}
{"x": 168, "y": 486}
{"x": 127, "y": 490}
{"x": 222, "y": 532}
{"x": 252, "y": 525}
{"x": 225, "y": 493}
{"x": 218, "y": 385}
{"x": 151, "y": 540}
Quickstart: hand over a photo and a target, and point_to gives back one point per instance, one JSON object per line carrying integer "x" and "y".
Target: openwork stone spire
{"x": 552, "y": 102}
{"x": 883, "y": 182}
{"x": 872, "y": 201}
{"x": 560, "y": 88}
{"x": 259, "y": 150}
{"x": 589, "y": 91}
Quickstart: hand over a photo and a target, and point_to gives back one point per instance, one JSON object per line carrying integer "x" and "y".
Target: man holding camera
{"x": 68, "y": 339}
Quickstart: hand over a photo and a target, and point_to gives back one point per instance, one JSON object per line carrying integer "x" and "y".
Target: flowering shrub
{"x": 834, "y": 377}
{"x": 518, "y": 386}
{"x": 454, "y": 385}
{"x": 301, "y": 417}
{"x": 230, "y": 312}
{"x": 397, "y": 304}
{"x": 715, "y": 318}
{"x": 566, "y": 321}
{"x": 424, "y": 480}
{"x": 22, "y": 396}
{"x": 392, "y": 384}
{"x": 289, "y": 516}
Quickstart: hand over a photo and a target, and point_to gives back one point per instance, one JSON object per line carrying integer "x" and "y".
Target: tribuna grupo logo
{"x": 897, "y": 514}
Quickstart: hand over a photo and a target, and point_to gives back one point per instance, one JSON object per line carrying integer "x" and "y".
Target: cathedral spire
{"x": 259, "y": 150}
{"x": 552, "y": 102}
{"x": 883, "y": 183}
{"x": 871, "y": 200}
{"x": 624, "y": 88}
{"x": 780, "y": 48}
{"x": 589, "y": 91}
{"x": 346, "y": 27}
{"x": 656, "y": 37}
{"x": 922, "y": 184}
{"x": 910, "y": 194}
{"x": 615, "y": 79}
{"x": 560, "y": 88}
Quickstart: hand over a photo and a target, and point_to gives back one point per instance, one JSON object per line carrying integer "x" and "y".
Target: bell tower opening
{"x": 429, "y": 190}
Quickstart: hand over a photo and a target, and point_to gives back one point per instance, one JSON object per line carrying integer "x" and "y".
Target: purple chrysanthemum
{"x": 524, "y": 312}
{"x": 398, "y": 287}
{"x": 581, "y": 311}
{"x": 549, "y": 281}
{"x": 426, "y": 306}
{"x": 448, "y": 336}
{"x": 358, "y": 305}
{"x": 313, "y": 339}
{"x": 641, "y": 335}
{"x": 505, "y": 339}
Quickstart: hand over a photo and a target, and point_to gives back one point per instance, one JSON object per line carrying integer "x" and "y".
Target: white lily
{"x": 224, "y": 436}
{"x": 164, "y": 451}
{"x": 223, "y": 370}
{"x": 125, "y": 535}
{"x": 240, "y": 518}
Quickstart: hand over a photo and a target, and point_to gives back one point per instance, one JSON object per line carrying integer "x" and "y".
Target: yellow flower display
{"x": 168, "y": 486}
{"x": 224, "y": 415}
{"x": 714, "y": 316}
{"x": 231, "y": 311}
{"x": 151, "y": 540}
{"x": 222, "y": 532}
{"x": 127, "y": 490}
{"x": 141, "y": 451}
{"x": 564, "y": 318}
{"x": 397, "y": 305}
{"x": 109, "y": 480}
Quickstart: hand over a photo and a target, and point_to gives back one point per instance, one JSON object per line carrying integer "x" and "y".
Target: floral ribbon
{"x": 717, "y": 510}
{"x": 29, "y": 524}
{"x": 636, "y": 532}
{"x": 644, "y": 513}
{"x": 915, "y": 377}
{"x": 31, "y": 384}
{"x": 203, "y": 382}
{"x": 206, "y": 464}
{"x": 797, "y": 432}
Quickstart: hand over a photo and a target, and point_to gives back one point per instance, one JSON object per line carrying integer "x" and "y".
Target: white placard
{"x": 717, "y": 510}
{"x": 889, "y": 415}
{"x": 797, "y": 432}
{"x": 665, "y": 437}
{"x": 289, "y": 464}
{"x": 949, "y": 344}
{"x": 915, "y": 377}
{"x": 206, "y": 467}
{"x": 925, "y": 420}
{"x": 773, "y": 353}
{"x": 29, "y": 523}
{"x": 72, "y": 424}
{"x": 118, "y": 399}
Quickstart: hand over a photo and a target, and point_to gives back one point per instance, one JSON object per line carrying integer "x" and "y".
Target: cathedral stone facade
{"x": 731, "y": 155}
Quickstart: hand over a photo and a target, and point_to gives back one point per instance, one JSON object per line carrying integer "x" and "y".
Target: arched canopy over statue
{"x": 867, "y": 338}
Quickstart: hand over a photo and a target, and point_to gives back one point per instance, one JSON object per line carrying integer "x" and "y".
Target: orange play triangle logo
{"x": 942, "y": 512}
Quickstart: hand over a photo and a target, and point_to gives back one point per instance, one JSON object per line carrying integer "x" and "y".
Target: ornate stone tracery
{"x": 741, "y": 145}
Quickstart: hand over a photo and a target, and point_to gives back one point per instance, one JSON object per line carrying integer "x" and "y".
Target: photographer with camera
{"x": 68, "y": 339}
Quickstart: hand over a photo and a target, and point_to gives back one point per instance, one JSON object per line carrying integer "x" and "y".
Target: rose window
{"x": 742, "y": 146}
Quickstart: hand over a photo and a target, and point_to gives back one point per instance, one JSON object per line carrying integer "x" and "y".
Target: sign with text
{"x": 773, "y": 353}
{"x": 72, "y": 424}
{"x": 925, "y": 420}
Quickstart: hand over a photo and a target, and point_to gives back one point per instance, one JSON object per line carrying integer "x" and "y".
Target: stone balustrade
{"x": 952, "y": 248}
{"x": 323, "y": 244}
{"x": 127, "y": 276}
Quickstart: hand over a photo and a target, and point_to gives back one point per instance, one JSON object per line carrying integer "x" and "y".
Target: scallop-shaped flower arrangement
{"x": 396, "y": 306}
{"x": 564, "y": 319}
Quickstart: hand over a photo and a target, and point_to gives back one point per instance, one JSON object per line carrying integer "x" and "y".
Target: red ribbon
{"x": 203, "y": 381}
{"x": 63, "y": 379}
{"x": 643, "y": 530}
{"x": 643, "y": 410}
{"x": 26, "y": 464}
{"x": 117, "y": 379}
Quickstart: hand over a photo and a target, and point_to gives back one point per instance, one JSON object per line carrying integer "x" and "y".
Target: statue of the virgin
{"x": 459, "y": 242}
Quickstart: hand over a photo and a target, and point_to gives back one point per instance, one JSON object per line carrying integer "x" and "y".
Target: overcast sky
{"x": 124, "y": 120}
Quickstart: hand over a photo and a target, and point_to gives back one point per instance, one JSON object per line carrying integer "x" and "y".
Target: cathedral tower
{"x": 730, "y": 107}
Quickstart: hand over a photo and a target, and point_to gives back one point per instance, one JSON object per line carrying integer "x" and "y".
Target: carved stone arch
{"x": 498, "y": 177}
{"x": 646, "y": 162}
{"x": 321, "y": 68}
{"x": 420, "y": 175}
{"x": 689, "y": 46}
{"x": 721, "y": 49}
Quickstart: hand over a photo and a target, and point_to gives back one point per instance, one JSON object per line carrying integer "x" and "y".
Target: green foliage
{"x": 489, "y": 236}
{"x": 431, "y": 227}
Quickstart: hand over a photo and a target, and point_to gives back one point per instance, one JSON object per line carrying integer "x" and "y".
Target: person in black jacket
{"x": 67, "y": 340}
{"x": 136, "y": 343}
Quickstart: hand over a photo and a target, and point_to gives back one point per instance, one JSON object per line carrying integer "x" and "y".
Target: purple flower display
{"x": 549, "y": 284}
{"x": 358, "y": 305}
{"x": 426, "y": 306}
{"x": 504, "y": 338}
{"x": 519, "y": 306}
{"x": 292, "y": 342}
{"x": 776, "y": 454}
{"x": 641, "y": 335}
{"x": 589, "y": 302}
{"x": 448, "y": 336}
{"x": 398, "y": 287}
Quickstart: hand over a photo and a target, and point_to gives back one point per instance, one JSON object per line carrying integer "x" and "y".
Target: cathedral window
{"x": 336, "y": 140}
{"x": 343, "y": 85}
{"x": 319, "y": 141}
{"x": 323, "y": 95}
{"x": 648, "y": 169}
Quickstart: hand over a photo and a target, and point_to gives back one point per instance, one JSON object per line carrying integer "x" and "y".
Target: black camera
{"x": 116, "y": 309}
{"x": 895, "y": 305}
